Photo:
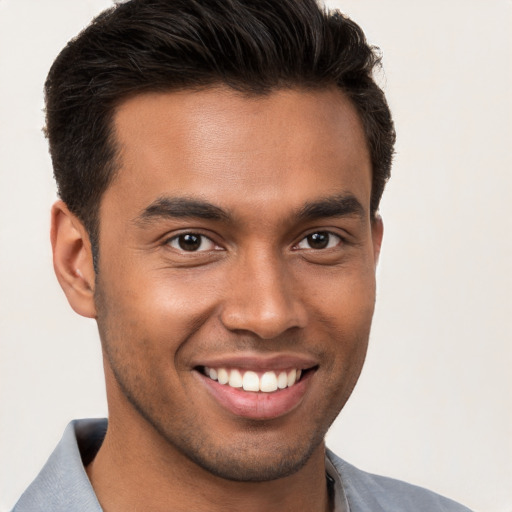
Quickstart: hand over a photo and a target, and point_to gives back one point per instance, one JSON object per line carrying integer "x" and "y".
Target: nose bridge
{"x": 263, "y": 297}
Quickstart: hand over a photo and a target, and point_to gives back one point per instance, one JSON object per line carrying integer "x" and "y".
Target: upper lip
{"x": 258, "y": 362}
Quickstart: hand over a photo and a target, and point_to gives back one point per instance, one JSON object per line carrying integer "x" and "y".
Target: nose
{"x": 263, "y": 298}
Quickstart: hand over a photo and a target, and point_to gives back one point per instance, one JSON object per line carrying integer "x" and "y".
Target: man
{"x": 220, "y": 166}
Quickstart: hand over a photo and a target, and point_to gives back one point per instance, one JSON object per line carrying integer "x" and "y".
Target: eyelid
{"x": 175, "y": 238}
{"x": 339, "y": 238}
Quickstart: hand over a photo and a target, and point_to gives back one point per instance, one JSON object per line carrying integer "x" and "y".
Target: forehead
{"x": 221, "y": 145}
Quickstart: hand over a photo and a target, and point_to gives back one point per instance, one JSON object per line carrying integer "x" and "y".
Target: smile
{"x": 255, "y": 387}
{"x": 248, "y": 380}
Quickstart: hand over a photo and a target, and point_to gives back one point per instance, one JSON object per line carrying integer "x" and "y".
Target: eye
{"x": 192, "y": 242}
{"x": 319, "y": 240}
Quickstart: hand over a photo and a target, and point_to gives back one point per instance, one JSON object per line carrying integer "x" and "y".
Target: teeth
{"x": 282, "y": 380}
{"x": 222, "y": 376}
{"x": 268, "y": 382}
{"x": 292, "y": 377}
{"x": 235, "y": 379}
{"x": 251, "y": 381}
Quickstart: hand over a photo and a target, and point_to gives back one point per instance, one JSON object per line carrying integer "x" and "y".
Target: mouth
{"x": 255, "y": 381}
{"x": 256, "y": 393}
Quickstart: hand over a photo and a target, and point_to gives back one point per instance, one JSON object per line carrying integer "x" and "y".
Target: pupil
{"x": 318, "y": 240}
{"x": 189, "y": 242}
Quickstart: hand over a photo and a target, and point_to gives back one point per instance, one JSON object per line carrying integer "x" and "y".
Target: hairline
{"x": 115, "y": 164}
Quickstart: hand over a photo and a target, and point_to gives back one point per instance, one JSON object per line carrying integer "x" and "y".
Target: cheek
{"x": 341, "y": 305}
{"x": 345, "y": 294}
{"x": 155, "y": 310}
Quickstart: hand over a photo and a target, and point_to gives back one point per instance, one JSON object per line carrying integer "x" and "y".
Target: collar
{"x": 63, "y": 485}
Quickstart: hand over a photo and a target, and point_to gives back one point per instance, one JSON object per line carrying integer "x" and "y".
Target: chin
{"x": 252, "y": 463}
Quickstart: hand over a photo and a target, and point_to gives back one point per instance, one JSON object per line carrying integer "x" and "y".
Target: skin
{"x": 256, "y": 288}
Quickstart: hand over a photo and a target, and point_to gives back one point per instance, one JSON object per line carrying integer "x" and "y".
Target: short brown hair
{"x": 254, "y": 46}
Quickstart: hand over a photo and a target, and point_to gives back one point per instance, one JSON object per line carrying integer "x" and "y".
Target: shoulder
{"x": 366, "y": 491}
{"x": 62, "y": 485}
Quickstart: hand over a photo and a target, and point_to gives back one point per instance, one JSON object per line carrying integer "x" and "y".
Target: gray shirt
{"x": 63, "y": 486}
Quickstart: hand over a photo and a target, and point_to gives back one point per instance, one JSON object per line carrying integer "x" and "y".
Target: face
{"x": 236, "y": 273}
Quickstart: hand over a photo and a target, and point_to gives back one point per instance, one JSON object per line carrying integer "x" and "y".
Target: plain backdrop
{"x": 434, "y": 402}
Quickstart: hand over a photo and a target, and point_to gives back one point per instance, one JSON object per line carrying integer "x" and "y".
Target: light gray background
{"x": 434, "y": 403}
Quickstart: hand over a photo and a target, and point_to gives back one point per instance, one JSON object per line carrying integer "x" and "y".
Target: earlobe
{"x": 377, "y": 234}
{"x": 72, "y": 260}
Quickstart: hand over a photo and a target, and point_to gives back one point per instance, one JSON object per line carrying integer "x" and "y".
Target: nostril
{"x": 265, "y": 325}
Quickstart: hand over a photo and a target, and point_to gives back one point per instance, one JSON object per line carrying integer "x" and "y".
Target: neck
{"x": 136, "y": 469}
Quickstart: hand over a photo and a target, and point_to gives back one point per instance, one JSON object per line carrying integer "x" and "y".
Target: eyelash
{"x": 176, "y": 242}
{"x": 330, "y": 237}
{"x": 181, "y": 237}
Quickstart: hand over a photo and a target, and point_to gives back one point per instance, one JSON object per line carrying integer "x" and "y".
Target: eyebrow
{"x": 180, "y": 207}
{"x": 343, "y": 205}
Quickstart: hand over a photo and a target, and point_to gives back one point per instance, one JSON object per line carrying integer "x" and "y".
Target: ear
{"x": 72, "y": 260}
{"x": 377, "y": 233}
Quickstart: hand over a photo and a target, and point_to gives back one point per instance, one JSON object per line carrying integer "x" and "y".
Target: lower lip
{"x": 257, "y": 406}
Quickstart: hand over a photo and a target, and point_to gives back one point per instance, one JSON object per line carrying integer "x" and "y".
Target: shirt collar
{"x": 63, "y": 484}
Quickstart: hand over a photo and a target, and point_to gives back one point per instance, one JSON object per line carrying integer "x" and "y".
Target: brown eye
{"x": 189, "y": 242}
{"x": 192, "y": 242}
{"x": 319, "y": 240}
